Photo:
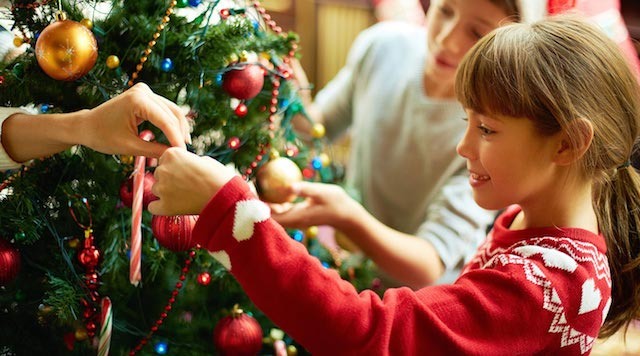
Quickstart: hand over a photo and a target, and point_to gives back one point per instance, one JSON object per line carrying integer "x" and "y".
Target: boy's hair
{"x": 510, "y": 7}
{"x": 553, "y": 72}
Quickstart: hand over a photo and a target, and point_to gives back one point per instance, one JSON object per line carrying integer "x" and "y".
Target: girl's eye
{"x": 485, "y": 130}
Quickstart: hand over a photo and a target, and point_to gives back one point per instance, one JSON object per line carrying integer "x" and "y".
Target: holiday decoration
{"x": 66, "y": 50}
{"x": 136, "y": 214}
{"x": 106, "y": 322}
{"x": 275, "y": 179}
{"x": 9, "y": 262}
{"x": 126, "y": 191}
{"x": 74, "y": 272}
{"x": 174, "y": 232}
{"x": 238, "y": 334}
{"x": 113, "y": 62}
{"x": 244, "y": 83}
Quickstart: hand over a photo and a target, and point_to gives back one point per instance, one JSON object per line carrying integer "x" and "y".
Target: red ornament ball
{"x": 9, "y": 262}
{"x": 126, "y": 191}
{"x": 89, "y": 257}
{"x": 238, "y": 334}
{"x": 204, "y": 278}
{"x": 244, "y": 83}
{"x": 174, "y": 232}
{"x": 241, "y": 110}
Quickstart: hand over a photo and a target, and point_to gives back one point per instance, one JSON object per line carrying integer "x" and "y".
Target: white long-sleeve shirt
{"x": 6, "y": 162}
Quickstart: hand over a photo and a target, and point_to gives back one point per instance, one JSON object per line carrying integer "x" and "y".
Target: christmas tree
{"x": 66, "y": 250}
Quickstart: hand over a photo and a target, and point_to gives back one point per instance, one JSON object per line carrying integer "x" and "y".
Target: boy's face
{"x": 453, "y": 27}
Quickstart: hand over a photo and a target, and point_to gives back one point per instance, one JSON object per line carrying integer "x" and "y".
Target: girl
{"x": 553, "y": 112}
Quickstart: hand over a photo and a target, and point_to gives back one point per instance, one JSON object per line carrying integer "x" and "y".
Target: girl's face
{"x": 453, "y": 27}
{"x": 509, "y": 162}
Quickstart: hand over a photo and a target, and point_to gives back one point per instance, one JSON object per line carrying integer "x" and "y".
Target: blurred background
{"x": 328, "y": 27}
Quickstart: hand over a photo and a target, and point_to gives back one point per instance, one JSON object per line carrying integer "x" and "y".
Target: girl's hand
{"x": 186, "y": 182}
{"x": 113, "y": 126}
{"x": 324, "y": 204}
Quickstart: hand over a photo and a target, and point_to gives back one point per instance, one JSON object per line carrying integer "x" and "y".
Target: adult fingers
{"x": 184, "y": 122}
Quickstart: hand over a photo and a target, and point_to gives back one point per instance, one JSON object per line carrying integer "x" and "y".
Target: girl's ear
{"x": 574, "y": 141}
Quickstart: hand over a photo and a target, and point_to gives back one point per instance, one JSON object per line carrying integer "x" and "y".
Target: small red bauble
{"x": 244, "y": 83}
{"x": 238, "y": 334}
{"x": 9, "y": 262}
{"x": 174, "y": 232}
{"x": 89, "y": 257}
{"x": 126, "y": 191}
{"x": 204, "y": 278}
{"x": 241, "y": 110}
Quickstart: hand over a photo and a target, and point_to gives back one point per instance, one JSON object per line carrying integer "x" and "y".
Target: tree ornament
{"x": 89, "y": 256}
{"x": 126, "y": 191}
{"x": 66, "y": 50}
{"x": 204, "y": 278}
{"x": 87, "y": 23}
{"x": 9, "y": 262}
{"x": 318, "y": 131}
{"x": 18, "y": 41}
{"x": 237, "y": 334}
{"x": 174, "y": 232}
{"x": 244, "y": 83}
{"x": 113, "y": 62}
{"x": 275, "y": 179}
{"x": 166, "y": 65}
{"x": 234, "y": 143}
{"x": 241, "y": 110}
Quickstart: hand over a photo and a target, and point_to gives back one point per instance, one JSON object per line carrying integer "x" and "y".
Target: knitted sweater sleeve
{"x": 494, "y": 311}
{"x": 6, "y": 162}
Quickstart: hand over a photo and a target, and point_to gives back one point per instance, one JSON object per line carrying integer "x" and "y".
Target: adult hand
{"x": 324, "y": 204}
{"x": 186, "y": 182}
{"x": 113, "y": 126}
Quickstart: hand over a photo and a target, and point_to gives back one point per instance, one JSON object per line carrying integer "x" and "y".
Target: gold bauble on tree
{"x": 275, "y": 179}
{"x": 66, "y": 50}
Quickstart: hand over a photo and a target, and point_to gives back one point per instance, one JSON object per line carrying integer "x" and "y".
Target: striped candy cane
{"x": 106, "y": 320}
{"x": 136, "y": 214}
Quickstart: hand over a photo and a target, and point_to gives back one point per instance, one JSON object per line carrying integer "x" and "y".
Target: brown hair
{"x": 553, "y": 72}
{"x": 510, "y": 7}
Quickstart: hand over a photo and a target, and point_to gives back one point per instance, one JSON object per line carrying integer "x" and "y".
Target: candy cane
{"x": 106, "y": 321}
{"x": 136, "y": 214}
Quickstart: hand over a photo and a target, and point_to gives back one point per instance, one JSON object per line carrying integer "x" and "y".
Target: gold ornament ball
{"x": 318, "y": 131}
{"x": 66, "y": 50}
{"x": 312, "y": 232}
{"x": 113, "y": 62}
{"x": 87, "y": 23}
{"x": 18, "y": 41}
{"x": 275, "y": 179}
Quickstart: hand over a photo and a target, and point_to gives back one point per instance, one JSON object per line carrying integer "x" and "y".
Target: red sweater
{"x": 531, "y": 291}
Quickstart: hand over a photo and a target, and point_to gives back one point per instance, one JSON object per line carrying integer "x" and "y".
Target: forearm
{"x": 409, "y": 259}
{"x": 26, "y": 137}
